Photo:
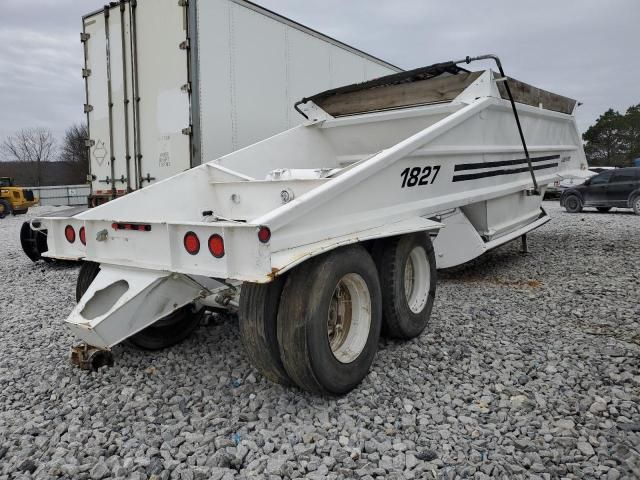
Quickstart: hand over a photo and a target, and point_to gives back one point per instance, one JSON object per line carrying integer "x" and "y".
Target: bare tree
{"x": 32, "y": 146}
{"x": 74, "y": 150}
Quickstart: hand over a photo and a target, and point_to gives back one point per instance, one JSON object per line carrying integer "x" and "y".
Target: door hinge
{"x": 186, "y": 88}
{"x": 86, "y": 72}
{"x": 183, "y": 3}
{"x": 185, "y": 45}
{"x": 84, "y": 37}
{"x": 187, "y": 131}
{"x": 88, "y": 108}
{"x": 89, "y": 143}
{"x": 148, "y": 179}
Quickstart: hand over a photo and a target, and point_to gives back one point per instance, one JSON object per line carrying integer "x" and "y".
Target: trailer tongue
{"x": 327, "y": 227}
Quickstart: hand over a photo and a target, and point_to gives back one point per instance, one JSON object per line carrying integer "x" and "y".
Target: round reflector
{"x": 264, "y": 234}
{"x": 216, "y": 245}
{"x": 83, "y": 236}
{"x": 70, "y": 234}
{"x": 191, "y": 243}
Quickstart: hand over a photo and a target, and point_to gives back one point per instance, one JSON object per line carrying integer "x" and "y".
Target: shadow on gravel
{"x": 596, "y": 212}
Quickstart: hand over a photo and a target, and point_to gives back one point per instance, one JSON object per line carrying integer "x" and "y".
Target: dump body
{"x": 171, "y": 86}
{"x": 454, "y": 168}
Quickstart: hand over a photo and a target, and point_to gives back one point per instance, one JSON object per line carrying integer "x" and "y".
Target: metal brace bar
{"x": 468, "y": 60}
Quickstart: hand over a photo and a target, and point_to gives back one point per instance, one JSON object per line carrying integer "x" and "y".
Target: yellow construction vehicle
{"x": 14, "y": 199}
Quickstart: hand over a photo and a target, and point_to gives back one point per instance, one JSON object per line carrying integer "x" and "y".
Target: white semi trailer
{"x": 322, "y": 234}
{"x": 171, "y": 84}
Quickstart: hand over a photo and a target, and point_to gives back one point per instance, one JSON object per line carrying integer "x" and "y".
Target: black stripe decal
{"x": 503, "y": 163}
{"x": 496, "y": 173}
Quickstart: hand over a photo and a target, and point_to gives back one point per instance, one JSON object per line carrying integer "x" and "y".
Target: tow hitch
{"x": 90, "y": 358}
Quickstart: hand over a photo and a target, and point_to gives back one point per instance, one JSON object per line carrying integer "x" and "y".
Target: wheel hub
{"x": 349, "y": 318}
{"x": 417, "y": 280}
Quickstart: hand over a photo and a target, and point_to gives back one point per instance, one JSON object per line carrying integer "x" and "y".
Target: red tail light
{"x": 191, "y": 243}
{"x": 264, "y": 234}
{"x": 70, "y": 234}
{"x": 216, "y": 245}
{"x": 83, "y": 236}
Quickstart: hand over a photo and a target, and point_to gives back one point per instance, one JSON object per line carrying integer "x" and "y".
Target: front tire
{"x": 329, "y": 321}
{"x": 408, "y": 278}
{"x": 573, "y": 204}
{"x": 164, "y": 333}
{"x": 635, "y": 203}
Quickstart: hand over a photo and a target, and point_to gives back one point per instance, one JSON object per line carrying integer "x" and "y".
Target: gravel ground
{"x": 530, "y": 369}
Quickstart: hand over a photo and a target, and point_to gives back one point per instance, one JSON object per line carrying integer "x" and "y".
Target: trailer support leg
{"x": 524, "y": 249}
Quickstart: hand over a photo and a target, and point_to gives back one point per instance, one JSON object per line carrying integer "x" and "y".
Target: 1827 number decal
{"x": 416, "y": 176}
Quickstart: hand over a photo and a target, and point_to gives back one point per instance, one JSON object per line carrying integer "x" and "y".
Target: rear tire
{"x": 329, "y": 321}
{"x": 5, "y": 208}
{"x": 165, "y": 333}
{"x": 573, "y": 204}
{"x": 408, "y": 278}
{"x": 603, "y": 209}
{"x": 258, "y": 328}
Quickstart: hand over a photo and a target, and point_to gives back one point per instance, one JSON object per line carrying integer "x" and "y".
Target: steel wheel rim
{"x": 637, "y": 204}
{"x": 349, "y": 318}
{"x": 417, "y": 281}
{"x": 572, "y": 203}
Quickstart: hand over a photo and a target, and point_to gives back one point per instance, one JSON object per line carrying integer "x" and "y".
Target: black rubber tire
{"x": 258, "y": 316}
{"x": 5, "y": 208}
{"x": 302, "y": 322}
{"x": 34, "y": 243}
{"x": 88, "y": 272}
{"x": 391, "y": 255}
{"x": 603, "y": 209}
{"x": 165, "y": 333}
{"x": 169, "y": 331}
{"x": 635, "y": 204}
{"x": 573, "y": 204}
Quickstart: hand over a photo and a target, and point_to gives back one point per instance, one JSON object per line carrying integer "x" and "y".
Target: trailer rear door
{"x": 163, "y": 83}
{"x": 138, "y": 96}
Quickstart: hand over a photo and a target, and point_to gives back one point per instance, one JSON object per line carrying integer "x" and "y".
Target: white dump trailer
{"x": 171, "y": 84}
{"x": 324, "y": 234}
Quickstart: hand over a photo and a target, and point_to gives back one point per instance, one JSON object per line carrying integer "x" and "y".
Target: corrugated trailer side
{"x": 253, "y": 65}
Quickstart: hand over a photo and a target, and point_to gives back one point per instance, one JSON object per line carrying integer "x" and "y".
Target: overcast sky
{"x": 584, "y": 49}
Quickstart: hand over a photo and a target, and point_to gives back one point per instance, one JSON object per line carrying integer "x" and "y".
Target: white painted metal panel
{"x": 254, "y": 65}
{"x": 97, "y": 95}
{"x": 306, "y": 76}
{"x": 162, "y": 72}
{"x": 260, "y": 75}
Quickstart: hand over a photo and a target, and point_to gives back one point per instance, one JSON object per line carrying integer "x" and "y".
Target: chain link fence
{"x": 62, "y": 195}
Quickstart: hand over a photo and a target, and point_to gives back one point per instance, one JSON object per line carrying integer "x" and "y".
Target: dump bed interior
{"x": 436, "y": 83}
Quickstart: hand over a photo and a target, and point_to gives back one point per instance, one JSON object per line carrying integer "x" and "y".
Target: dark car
{"x": 611, "y": 188}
